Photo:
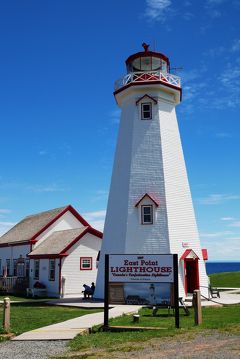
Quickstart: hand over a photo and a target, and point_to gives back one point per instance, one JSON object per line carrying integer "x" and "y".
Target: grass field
{"x": 228, "y": 279}
{"x": 226, "y": 319}
{"x": 28, "y": 317}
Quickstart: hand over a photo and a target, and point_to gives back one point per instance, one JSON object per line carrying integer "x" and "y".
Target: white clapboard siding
{"x": 66, "y": 221}
{"x": 87, "y": 246}
{"x": 149, "y": 159}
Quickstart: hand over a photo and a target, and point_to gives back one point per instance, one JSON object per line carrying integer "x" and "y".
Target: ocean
{"x": 219, "y": 267}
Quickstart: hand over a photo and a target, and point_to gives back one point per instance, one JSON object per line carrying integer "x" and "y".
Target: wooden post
{"x": 106, "y": 291}
{"x": 176, "y": 290}
{"x": 6, "y": 314}
{"x": 196, "y": 301}
{"x": 136, "y": 318}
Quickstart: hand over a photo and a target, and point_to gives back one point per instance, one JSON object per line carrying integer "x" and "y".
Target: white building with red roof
{"x": 58, "y": 249}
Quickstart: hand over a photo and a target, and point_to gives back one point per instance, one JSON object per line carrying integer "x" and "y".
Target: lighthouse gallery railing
{"x": 147, "y": 76}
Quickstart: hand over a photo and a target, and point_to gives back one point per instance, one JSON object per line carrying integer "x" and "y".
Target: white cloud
{"x": 223, "y": 135}
{"x": 47, "y": 188}
{"x": 227, "y": 219}
{"x": 96, "y": 214}
{"x": 236, "y": 45}
{"x": 188, "y": 16}
{"x": 227, "y": 248}
{"x": 157, "y": 10}
{"x": 230, "y": 77}
{"x": 215, "y": 2}
{"x": 96, "y": 219}
{"x": 217, "y": 199}
{"x": 100, "y": 195}
{"x": 215, "y": 234}
{"x": 5, "y": 226}
{"x": 235, "y": 224}
{"x": 42, "y": 153}
{"x": 5, "y": 211}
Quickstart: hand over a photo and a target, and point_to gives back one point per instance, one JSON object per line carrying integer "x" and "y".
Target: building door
{"x": 191, "y": 275}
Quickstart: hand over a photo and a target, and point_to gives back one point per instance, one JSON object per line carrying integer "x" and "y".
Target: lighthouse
{"x": 150, "y": 208}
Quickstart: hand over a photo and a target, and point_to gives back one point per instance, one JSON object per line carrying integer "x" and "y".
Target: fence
{"x": 13, "y": 285}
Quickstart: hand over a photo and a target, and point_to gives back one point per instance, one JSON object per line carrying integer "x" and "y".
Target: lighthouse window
{"x": 146, "y": 63}
{"x": 146, "y": 111}
{"x": 147, "y": 214}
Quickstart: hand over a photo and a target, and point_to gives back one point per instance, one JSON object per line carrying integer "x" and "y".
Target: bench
{"x": 214, "y": 292}
{"x": 169, "y": 307}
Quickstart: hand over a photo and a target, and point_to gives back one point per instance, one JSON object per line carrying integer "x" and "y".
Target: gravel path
{"x": 205, "y": 345}
{"x": 32, "y": 349}
{"x": 212, "y": 345}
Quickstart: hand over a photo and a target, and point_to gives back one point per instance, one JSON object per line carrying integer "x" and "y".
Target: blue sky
{"x": 59, "y": 120}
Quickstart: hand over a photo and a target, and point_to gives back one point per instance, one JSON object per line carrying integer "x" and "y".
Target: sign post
{"x": 146, "y": 272}
{"x": 176, "y": 296}
{"x": 106, "y": 296}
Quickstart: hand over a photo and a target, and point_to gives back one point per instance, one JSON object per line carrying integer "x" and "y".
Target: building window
{"x": 147, "y": 214}
{"x": 36, "y": 268}
{"x": 85, "y": 263}
{"x": 146, "y": 111}
{"x": 8, "y": 267}
{"x": 21, "y": 269}
{"x": 51, "y": 273}
{"x": 14, "y": 267}
{"x": 0, "y": 267}
{"x": 27, "y": 268}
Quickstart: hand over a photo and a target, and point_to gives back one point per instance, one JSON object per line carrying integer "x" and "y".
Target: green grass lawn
{"x": 27, "y": 317}
{"x": 228, "y": 279}
{"x": 226, "y": 318}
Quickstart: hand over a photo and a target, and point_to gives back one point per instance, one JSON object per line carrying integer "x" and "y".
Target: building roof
{"x": 32, "y": 226}
{"x": 189, "y": 254}
{"x": 59, "y": 242}
{"x": 152, "y": 198}
{"x": 149, "y": 97}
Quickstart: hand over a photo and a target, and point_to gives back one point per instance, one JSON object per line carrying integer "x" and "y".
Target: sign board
{"x": 141, "y": 279}
{"x": 141, "y": 268}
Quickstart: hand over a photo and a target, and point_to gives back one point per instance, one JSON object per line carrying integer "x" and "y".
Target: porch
{"x": 14, "y": 285}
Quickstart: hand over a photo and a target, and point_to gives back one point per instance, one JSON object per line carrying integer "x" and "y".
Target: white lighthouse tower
{"x": 150, "y": 208}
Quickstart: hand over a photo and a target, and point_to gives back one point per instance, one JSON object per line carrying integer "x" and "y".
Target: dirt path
{"x": 206, "y": 345}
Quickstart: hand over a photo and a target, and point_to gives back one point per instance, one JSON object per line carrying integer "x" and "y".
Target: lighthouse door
{"x": 191, "y": 275}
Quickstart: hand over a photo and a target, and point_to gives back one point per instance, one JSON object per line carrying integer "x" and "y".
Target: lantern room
{"x": 148, "y": 68}
{"x": 147, "y": 61}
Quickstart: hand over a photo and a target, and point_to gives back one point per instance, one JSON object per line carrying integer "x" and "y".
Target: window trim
{"x": 34, "y": 269}
{"x": 81, "y": 263}
{"x": 51, "y": 260}
{"x": 142, "y": 111}
{"x": 142, "y": 213}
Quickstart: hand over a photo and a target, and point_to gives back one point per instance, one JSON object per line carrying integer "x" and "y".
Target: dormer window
{"x": 146, "y": 111}
{"x": 147, "y": 205}
{"x": 147, "y": 214}
{"x": 146, "y": 108}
